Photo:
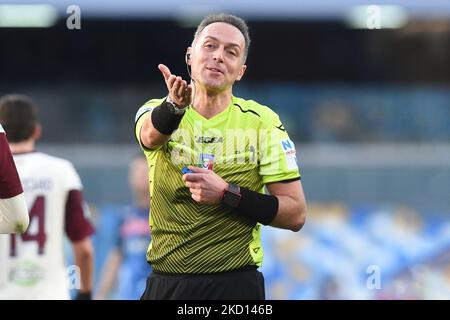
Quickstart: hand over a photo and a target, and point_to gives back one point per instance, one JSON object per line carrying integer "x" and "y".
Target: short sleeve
{"x": 71, "y": 177}
{"x": 278, "y": 159}
{"x": 140, "y": 118}
{"x": 10, "y": 185}
{"x": 77, "y": 223}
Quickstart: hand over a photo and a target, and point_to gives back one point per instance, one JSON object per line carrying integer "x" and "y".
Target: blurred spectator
{"x": 329, "y": 289}
{"x": 339, "y": 248}
{"x": 335, "y": 122}
{"x": 126, "y": 268}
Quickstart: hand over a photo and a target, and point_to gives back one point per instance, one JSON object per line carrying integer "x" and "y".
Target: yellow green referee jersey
{"x": 247, "y": 145}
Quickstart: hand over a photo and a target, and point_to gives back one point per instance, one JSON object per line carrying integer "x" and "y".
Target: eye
{"x": 209, "y": 45}
{"x": 233, "y": 53}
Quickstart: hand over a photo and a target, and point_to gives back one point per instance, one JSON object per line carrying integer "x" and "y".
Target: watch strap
{"x": 174, "y": 108}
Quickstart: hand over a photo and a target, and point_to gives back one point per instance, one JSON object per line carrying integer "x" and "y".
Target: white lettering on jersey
{"x": 289, "y": 153}
{"x": 43, "y": 184}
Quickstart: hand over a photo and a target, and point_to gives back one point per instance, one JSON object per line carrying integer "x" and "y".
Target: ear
{"x": 188, "y": 56}
{"x": 241, "y": 72}
{"x": 37, "y": 131}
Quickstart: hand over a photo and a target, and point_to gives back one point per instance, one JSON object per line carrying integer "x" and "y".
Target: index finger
{"x": 165, "y": 71}
{"x": 199, "y": 170}
{"x": 192, "y": 177}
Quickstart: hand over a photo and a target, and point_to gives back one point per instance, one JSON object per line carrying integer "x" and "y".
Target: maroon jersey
{"x": 10, "y": 185}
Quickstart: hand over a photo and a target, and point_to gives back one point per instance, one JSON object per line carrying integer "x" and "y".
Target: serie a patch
{"x": 290, "y": 153}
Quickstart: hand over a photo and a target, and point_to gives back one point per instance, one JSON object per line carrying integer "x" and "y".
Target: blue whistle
{"x": 186, "y": 170}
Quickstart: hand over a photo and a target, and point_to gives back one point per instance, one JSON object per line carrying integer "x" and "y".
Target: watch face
{"x": 177, "y": 110}
{"x": 174, "y": 109}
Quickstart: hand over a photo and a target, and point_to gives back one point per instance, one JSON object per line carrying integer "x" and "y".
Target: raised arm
{"x": 164, "y": 119}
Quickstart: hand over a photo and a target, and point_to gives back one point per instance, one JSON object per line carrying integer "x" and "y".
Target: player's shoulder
{"x": 265, "y": 113}
{"x": 148, "y": 106}
{"x": 52, "y": 161}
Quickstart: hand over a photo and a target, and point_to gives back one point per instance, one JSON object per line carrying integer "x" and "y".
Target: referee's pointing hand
{"x": 179, "y": 91}
{"x": 206, "y": 187}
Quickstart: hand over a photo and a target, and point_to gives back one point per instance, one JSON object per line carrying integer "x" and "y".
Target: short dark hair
{"x": 236, "y": 22}
{"x": 18, "y": 116}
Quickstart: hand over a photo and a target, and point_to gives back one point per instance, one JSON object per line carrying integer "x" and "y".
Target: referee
{"x": 210, "y": 157}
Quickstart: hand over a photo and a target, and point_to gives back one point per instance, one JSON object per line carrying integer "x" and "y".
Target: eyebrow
{"x": 228, "y": 44}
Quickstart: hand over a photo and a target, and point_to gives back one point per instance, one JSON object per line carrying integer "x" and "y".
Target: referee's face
{"x": 217, "y": 57}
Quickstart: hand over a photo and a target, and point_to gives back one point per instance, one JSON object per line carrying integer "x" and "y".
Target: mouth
{"x": 215, "y": 70}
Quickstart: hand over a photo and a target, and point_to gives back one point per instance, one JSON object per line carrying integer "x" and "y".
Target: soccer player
{"x": 32, "y": 264}
{"x": 126, "y": 266}
{"x": 13, "y": 209}
{"x": 206, "y": 221}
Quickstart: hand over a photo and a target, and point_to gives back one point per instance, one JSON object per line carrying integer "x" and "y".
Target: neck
{"x": 22, "y": 147}
{"x": 209, "y": 104}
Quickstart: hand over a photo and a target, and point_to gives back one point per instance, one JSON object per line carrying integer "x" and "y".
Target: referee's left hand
{"x": 206, "y": 187}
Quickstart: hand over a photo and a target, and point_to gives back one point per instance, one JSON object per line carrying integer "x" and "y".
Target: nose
{"x": 218, "y": 55}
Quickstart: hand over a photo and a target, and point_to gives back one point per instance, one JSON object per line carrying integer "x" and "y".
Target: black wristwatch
{"x": 232, "y": 195}
{"x": 174, "y": 109}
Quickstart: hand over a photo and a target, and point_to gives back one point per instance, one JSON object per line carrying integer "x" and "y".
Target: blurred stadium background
{"x": 369, "y": 110}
